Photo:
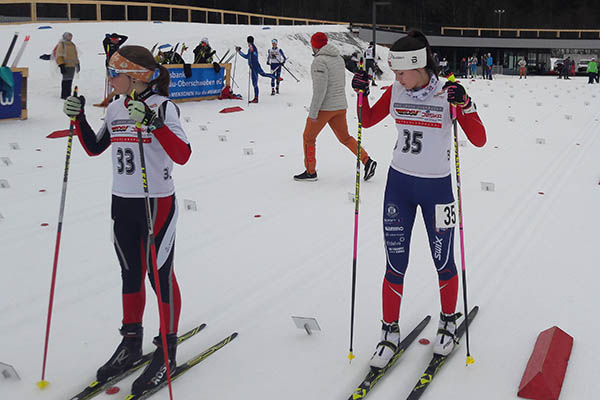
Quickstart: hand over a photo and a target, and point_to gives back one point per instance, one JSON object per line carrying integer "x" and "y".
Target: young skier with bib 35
{"x": 419, "y": 175}
{"x": 164, "y": 142}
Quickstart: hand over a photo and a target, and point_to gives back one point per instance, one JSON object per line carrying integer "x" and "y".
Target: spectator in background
{"x": 474, "y": 66}
{"x": 592, "y": 70}
{"x": 111, "y": 43}
{"x": 522, "y": 68}
{"x": 484, "y": 58}
{"x": 68, "y": 61}
{"x": 490, "y": 65}
{"x": 370, "y": 62}
{"x": 328, "y": 107}
{"x": 203, "y": 54}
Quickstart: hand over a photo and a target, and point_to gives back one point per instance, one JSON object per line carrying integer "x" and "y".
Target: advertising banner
{"x": 10, "y": 106}
{"x": 203, "y": 83}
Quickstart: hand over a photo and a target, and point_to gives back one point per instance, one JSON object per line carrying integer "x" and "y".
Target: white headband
{"x": 404, "y": 60}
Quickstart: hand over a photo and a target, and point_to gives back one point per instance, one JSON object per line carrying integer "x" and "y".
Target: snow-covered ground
{"x": 530, "y": 244}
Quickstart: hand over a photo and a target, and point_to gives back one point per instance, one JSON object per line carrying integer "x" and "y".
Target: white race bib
{"x": 445, "y": 215}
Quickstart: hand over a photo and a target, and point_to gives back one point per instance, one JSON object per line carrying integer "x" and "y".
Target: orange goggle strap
{"x": 124, "y": 66}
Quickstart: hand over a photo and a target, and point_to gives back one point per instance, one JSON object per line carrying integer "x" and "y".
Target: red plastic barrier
{"x": 231, "y": 109}
{"x": 58, "y": 134}
{"x": 545, "y": 371}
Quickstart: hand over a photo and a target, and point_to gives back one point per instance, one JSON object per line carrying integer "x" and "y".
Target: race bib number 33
{"x": 445, "y": 215}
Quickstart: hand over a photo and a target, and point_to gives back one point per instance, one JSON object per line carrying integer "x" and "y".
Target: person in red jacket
{"x": 419, "y": 175}
{"x": 165, "y": 142}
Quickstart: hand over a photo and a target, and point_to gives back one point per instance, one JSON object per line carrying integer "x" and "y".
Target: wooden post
{"x": 149, "y": 13}
{"x": 33, "y": 11}
{"x": 98, "y": 12}
{"x": 222, "y": 18}
{"x": 189, "y": 15}
{"x": 126, "y": 12}
{"x": 69, "y": 11}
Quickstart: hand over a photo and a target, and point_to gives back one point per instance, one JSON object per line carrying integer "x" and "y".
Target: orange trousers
{"x": 339, "y": 126}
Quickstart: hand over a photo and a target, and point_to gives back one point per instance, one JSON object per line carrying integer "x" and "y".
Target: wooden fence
{"x": 522, "y": 32}
{"x": 25, "y": 11}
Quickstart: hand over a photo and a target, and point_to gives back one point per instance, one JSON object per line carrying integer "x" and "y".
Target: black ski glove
{"x": 361, "y": 82}
{"x": 216, "y": 67}
{"x": 457, "y": 94}
{"x": 63, "y": 69}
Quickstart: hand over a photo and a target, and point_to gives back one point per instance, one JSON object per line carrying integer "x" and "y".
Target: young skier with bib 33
{"x": 132, "y": 68}
{"x": 419, "y": 175}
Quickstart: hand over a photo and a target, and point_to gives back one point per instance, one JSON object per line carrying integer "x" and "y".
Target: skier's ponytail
{"x": 162, "y": 81}
{"x": 416, "y": 40}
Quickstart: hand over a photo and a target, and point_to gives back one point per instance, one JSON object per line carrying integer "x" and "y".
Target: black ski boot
{"x": 272, "y": 91}
{"x": 127, "y": 355}
{"x": 156, "y": 372}
{"x": 277, "y": 89}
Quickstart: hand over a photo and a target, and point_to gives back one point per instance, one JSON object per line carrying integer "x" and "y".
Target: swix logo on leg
{"x": 437, "y": 248}
{"x": 156, "y": 379}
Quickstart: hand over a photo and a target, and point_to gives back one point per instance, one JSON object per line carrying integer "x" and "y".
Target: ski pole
{"x": 356, "y": 200}
{"x": 234, "y": 65}
{"x": 43, "y": 383}
{"x": 290, "y": 72}
{"x": 152, "y": 242}
{"x": 249, "y": 77}
{"x": 470, "y": 359}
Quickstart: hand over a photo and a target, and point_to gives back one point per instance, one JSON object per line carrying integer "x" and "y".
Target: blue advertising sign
{"x": 10, "y": 106}
{"x": 204, "y": 82}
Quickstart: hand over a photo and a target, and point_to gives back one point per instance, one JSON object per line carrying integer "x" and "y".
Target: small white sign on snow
{"x": 187, "y": 119}
{"x": 462, "y": 143}
{"x": 248, "y": 151}
{"x": 511, "y": 118}
{"x": 539, "y": 103}
{"x": 203, "y": 127}
{"x": 290, "y": 104}
{"x": 9, "y": 372}
{"x": 352, "y": 196}
{"x": 190, "y": 205}
{"x": 6, "y": 161}
{"x": 540, "y": 141}
{"x": 568, "y": 116}
{"x": 309, "y": 324}
{"x": 4, "y": 184}
{"x": 14, "y": 146}
{"x": 222, "y": 138}
{"x": 488, "y": 186}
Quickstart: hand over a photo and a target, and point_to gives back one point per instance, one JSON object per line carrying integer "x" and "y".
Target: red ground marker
{"x": 112, "y": 390}
{"x": 546, "y": 368}
{"x": 44, "y": 224}
{"x": 231, "y": 109}
{"x": 42, "y": 190}
{"x": 424, "y": 341}
{"x": 257, "y": 215}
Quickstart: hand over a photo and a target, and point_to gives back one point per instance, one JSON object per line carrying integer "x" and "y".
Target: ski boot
{"x": 387, "y": 347}
{"x": 370, "y": 168}
{"x": 156, "y": 372}
{"x": 305, "y": 176}
{"x": 127, "y": 355}
{"x": 272, "y": 91}
{"x": 446, "y": 339}
{"x": 255, "y": 100}
{"x": 277, "y": 89}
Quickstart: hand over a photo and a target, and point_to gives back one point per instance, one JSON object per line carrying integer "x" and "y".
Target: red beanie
{"x": 318, "y": 40}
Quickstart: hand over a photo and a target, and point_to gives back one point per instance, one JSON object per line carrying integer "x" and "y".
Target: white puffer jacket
{"x": 329, "y": 81}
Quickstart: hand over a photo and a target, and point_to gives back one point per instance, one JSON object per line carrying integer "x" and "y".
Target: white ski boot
{"x": 446, "y": 339}
{"x": 386, "y": 348}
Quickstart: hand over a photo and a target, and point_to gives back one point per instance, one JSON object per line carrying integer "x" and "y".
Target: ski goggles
{"x": 405, "y": 60}
{"x": 120, "y": 65}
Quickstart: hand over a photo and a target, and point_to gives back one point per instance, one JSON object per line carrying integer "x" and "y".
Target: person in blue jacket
{"x": 255, "y": 68}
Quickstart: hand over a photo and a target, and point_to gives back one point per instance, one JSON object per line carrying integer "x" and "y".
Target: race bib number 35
{"x": 445, "y": 215}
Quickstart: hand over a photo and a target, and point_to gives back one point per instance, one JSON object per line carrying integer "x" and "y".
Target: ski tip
{"x": 470, "y": 360}
{"x": 43, "y": 384}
